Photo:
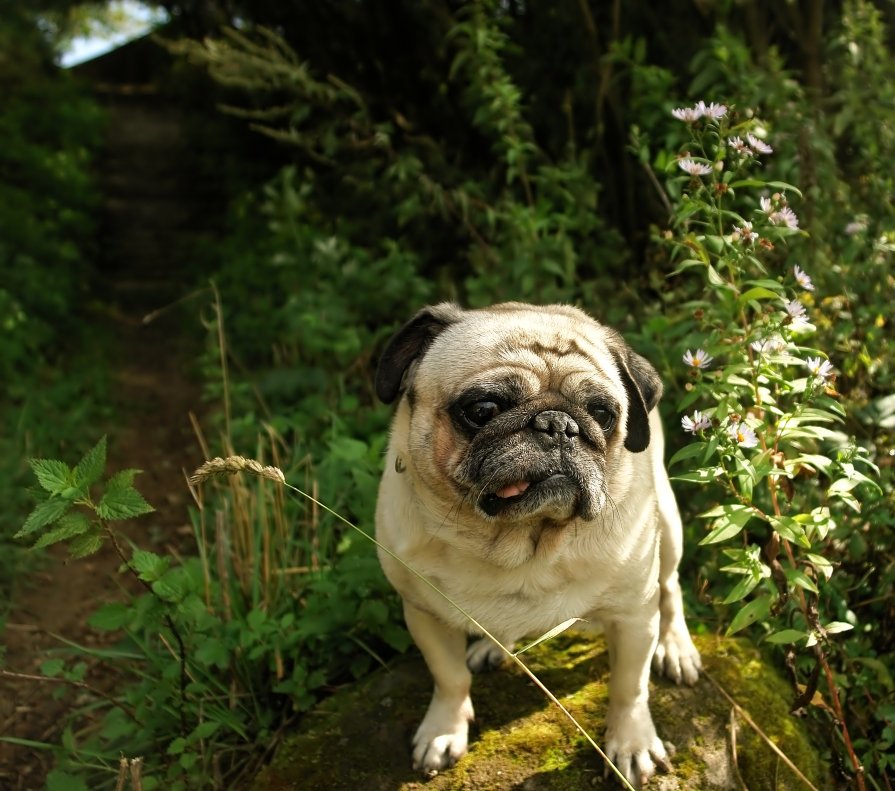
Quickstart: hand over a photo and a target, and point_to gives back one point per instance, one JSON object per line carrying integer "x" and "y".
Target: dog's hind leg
{"x": 484, "y": 654}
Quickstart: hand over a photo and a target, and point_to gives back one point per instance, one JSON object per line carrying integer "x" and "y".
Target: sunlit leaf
{"x": 755, "y": 610}
{"x": 548, "y": 635}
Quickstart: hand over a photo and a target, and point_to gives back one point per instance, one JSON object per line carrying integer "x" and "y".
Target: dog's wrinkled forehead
{"x": 548, "y": 349}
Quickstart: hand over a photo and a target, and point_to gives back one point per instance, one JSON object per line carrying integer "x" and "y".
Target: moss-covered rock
{"x": 360, "y": 738}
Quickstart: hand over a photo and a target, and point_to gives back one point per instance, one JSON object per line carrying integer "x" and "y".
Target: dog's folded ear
{"x": 408, "y": 345}
{"x": 644, "y": 389}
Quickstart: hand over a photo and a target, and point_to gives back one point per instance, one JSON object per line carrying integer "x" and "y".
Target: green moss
{"x": 360, "y": 737}
{"x": 739, "y": 670}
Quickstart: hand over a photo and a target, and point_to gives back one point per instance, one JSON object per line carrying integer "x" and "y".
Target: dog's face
{"x": 517, "y": 413}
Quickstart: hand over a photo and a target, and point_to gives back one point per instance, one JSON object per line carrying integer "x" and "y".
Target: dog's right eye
{"x": 478, "y": 413}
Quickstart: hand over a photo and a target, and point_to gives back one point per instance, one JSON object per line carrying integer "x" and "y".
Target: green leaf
{"x": 110, "y": 617}
{"x": 778, "y": 185}
{"x": 715, "y": 244}
{"x": 91, "y": 467}
{"x": 755, "y": 610}
{"x": 801, "y": 579}
{"x": 168, "y": 590}
{"x": 757, "y": 293}
{"x": 742, "y": 589}
{"x": 86, "y": 544}
{"x": 45, "y": 513}
{"x": 714, "y": 278}
{"x": 52, "y": 667}
{"x": 821, "y": 564}
{"x": 71, "y": 525}
{"x": 256, "y": 619}
{"x": 724, "y": 529}
{"x": 786, "y": 636}
{"x": 205, "y": 729}
{"x": 121, "y": 500}
{"x": 188, "y": 760}
{"x": 52, "y": 475}
{"x": 212, "y": 652}
{"x": 791, "y": 530}
{"x": 729, "y": 522}
{"x": 733, "y": 510}
{"x": 58, "y": 780}
{"x": 149, "y": 566}
{"x": 689, "y": 263}
{"x": 834, "y": 627}
{"x": 177, "y": 746}
{"x": 705, "y": 475}
{"x": 687, "y": 452}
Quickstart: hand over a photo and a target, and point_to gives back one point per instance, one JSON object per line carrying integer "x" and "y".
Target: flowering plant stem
{"x": 759, "y": 420}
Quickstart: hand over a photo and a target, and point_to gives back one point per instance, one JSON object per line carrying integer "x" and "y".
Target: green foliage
{"x": 50, "y": 131}
{"x": 476, "y": 153}
{"x": 215, "y": 653}
{"x": 768, "y": 443}
{"x": 528, "y": 221}
{"x": 52, "y": 520}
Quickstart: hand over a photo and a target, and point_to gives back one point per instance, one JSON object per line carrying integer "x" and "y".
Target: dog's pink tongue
{"x": 513, "y": 489}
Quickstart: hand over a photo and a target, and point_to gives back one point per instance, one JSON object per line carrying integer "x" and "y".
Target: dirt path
{"x": 151, "y": 207}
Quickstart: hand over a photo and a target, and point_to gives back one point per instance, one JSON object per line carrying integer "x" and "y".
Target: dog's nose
{"x": 554, "y": 422}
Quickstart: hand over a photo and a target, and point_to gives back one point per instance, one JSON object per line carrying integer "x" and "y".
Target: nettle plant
{"x": 759, "y": 401}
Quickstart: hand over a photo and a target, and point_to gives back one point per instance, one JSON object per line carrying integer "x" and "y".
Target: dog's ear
{"x": 644, "y": 389}
{"x": 408, "y": 345}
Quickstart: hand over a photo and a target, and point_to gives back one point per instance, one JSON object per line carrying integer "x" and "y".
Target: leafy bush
{"x": 220, "y": 650}
{"x": 50, "y": 130}
{"x": 782, "y": 479}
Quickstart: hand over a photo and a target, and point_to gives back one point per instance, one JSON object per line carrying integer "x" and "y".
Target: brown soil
{"x": 150, "y": 210}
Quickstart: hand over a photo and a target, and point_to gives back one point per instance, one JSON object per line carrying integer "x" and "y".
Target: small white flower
{"x": 778, "y": 212}
{"x": 798, "y": 319}
{"x": 694, "y": 168}
{"x": 821, "y": 369}
{"x": 744, "y": 234}
{"x": 785, "y": 216}
{"x": 769, "y": 345}
{"x": 856, "y": 227}
{"x": 739, "y": 146}
{"x": 687, "y": 114}
{"x": 802, "y": 278}
{"x": 713, "y": 111}
{"x": 759, "y": 146}
{"x": 699, "y": 422}
{"x": 698, "y": 359}
{"x": 742, "y": 434}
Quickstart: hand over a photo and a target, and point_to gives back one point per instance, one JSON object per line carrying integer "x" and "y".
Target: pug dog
{"x": 525, "y": 480}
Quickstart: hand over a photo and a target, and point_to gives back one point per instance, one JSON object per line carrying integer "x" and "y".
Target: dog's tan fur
{"x": 544, "y": 562}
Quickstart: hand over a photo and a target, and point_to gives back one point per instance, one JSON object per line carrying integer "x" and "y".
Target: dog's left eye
{"x": 478, "y": 413}
{"x": 605, "y": 418}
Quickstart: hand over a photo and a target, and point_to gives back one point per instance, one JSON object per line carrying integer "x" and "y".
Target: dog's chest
{"x": 511, "y": 603}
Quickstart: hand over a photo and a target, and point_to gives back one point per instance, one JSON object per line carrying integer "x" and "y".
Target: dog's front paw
{"x": 441, "y": 738}
{"x": 633, "y": 745}
{"x": 675, "y": 656}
